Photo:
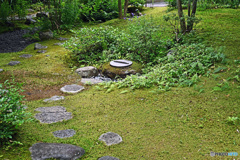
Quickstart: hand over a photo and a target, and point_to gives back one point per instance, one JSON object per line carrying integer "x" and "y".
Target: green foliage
{"x": 69, "y": 14}
{"x": 137, "y": 3}
{"x": 232, "y": 120}
{"x": 20, "y": 8}
{"x": 141, "y": 42}
{"x": 99, "y": 10}
{"x": 181, "y": 67}
{"x": 5, "y": 11}
{"x": 12, "y": 112}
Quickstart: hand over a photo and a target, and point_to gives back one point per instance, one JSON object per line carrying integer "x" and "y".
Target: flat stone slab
{"x": 110, "y": 138}
{"x": 54, "y": 98}
{"x": 120, "y": 63}
{"x": 58, "y": 44}
{"x": 42, "y": 151}
{"x": 42, "y": 51}
{"x": 39, "y": 46}
{"x": 108, "y": 158}
{"x": 64, "y": 133}
{"x": 1, "y": 70}
{"x": 72, "y": 88}
{"x": 87, "y": 72}
{"x": 90, "y": 81}
{"x": 52, "y": 114}
{"x": 63, "y": 39}
{"x": 26, "y": 56}
{"x": 13, "y": 63}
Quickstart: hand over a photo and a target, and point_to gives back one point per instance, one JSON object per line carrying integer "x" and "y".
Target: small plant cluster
{"x": 140, "y": 42}
{"x": 12, "y": 112}
{"x": 182, "y": 66}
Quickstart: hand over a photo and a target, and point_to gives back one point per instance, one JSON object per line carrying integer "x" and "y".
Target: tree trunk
{"x": 191, "y": 22}
{"x": 120, "y": 9}
{"x": 181, "y": 17}
{"x": 125, "y": 7}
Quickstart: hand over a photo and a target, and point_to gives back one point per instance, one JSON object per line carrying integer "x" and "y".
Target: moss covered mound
{"x": 114, "y": 72}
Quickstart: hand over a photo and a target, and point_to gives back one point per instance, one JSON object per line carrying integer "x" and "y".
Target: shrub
{"x": 12, "y": 112}
{"x": 5, "y": 11}
{"x": 182, "y": 66}
{"x": 140, "y": 42}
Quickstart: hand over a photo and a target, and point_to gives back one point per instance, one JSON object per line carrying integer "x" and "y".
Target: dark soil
{"x": 14, "y": 41}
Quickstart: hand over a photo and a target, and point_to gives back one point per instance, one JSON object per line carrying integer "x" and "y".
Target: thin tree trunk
{"x": 189, "y": 8}
{"x": 181, "y": 17}
{"x": 120, "y": 9}
{"x": 125, "y": 7}
{"x": 194, "y": 9}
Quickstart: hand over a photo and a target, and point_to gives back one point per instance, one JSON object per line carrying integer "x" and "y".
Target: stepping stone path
{"x": 72, "y": 88}
{"x": 90, "y": 81}
{"x": 87, "y": 72}
{"x": 64, "y": 133}
{"x": 42, "y": 151}
{"x": 41, "y": 51}
{"x": 26, "y": 56}
{"x": 110, "y": 138}
{"x": 52, "y": 114}
{"x": 108, "y": 158}
{"x": 1, "y": 70}
{"x": 39, "y": 46}
{"x": 54, "y": 98}
{"x": 63, "y": 39}
{"x": 12, "y": 63}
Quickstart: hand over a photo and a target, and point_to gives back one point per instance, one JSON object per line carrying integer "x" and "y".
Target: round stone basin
{"x": 120, "y": 63}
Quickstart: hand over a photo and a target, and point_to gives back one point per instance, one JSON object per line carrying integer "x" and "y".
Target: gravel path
{"x": 14, "y": 41}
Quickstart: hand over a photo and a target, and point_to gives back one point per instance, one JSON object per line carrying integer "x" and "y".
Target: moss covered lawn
{"x": 182, "y": 123}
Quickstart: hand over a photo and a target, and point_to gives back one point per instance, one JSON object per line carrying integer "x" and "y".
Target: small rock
{"x": 110, "y": 138}
{"x": 30, "y": 10}
{"x": 39, "y": 46}
{"x": 90, "y": 81}
{"x": 42, "y": 151}
{"x": 87, "y": 72}
{"x": 63, "y": 39}
{"x": 12, "y": 63}
{"x": 52, "y": 114}
{"x": 54, "y": 98}
{"x": 42, "y": 51}
{"x": 58, "y": 44}
{"x": 72, "y": 88}
{"x": 26, "y": 55}
{"x": 64, "y": 133}
{"x": 47, "y": 55}
{"x": 108, "y": 158}
{"x": 46, "y": 35}
{"x": 1, "y": 70}
{"x": 41, "y": 15}
{"x": 29, "y": 21}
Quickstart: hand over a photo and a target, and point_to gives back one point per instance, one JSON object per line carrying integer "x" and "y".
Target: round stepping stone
{"x": 26, "y": 55}
{"x": 72, "y": 88}
{"x": 42, "y": 151}
{"x": 120, "y": 63}
{"x": 1, "y": 70}
{"x": 54, "y": 98}
{"x": 90, "y": 81}
{"x": 108, "y": 158}
{"x": 52, "y": 114}
{"x": 58, "y": 44}
{"x": 41, "y": 51}
{"x": 12, "y": 63}
{"x": 110, "y": 138}
{"x": 39, "y": 46}
{"x": 63, "y": 39}
{"x": 64, "y": 133}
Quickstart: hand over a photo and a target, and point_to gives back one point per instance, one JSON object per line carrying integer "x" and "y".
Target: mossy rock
{"x": 114, "y": 72}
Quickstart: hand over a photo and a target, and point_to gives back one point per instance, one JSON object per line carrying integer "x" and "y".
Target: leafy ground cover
{"x": 183, "y": 123}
